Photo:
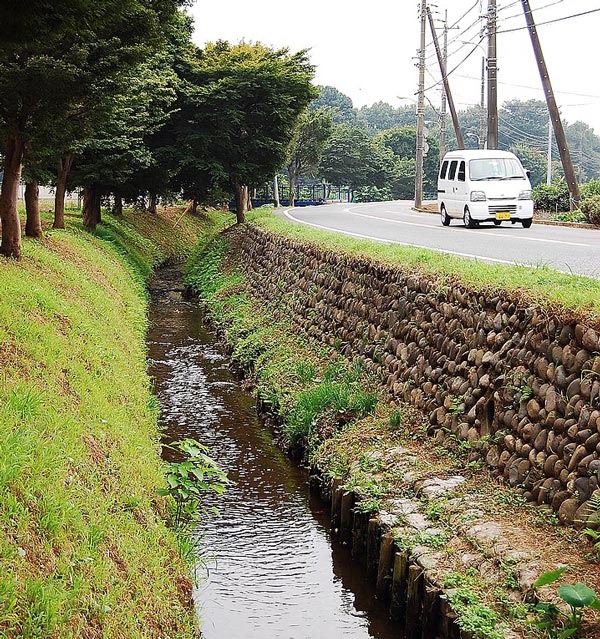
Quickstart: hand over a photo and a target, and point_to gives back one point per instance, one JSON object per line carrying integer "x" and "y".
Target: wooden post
{"x": 384, "y": 569}
{"x": 373, "y": 545}
{"x": 399, "y": 578}
{"x": 360, "y": 531}
{"x": 336, "y": 504}
{"x": 430, "y": 617}
{"x": 414, "y": 601}
{"x": 347, "y": 516}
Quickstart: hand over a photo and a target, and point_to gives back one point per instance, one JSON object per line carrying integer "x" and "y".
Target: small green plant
{"x": 396, "y": 419}
{"x": 189, "y": 479}
{"x": 555, "y": 623}
{"x": 594, "y": 535}
{"x": 456, "y": 405}
{"x": 305, "y": 372}
{"x": 474, "y": 617}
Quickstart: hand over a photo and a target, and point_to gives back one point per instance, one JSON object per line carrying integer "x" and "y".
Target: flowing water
{"x": 271, "y": 569}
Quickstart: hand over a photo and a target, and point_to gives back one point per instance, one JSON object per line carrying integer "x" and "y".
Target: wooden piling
{"x": 360, "y": 529}
{"x": 373, "y": 545}
{"x": 336, "y": 504}
{"x": 384, "y": 569}
{"x": 414, "y": 601}
{"x": 399, "y": 579}
{"x": 346, "y": 516}
{"x": 430, "y": 616}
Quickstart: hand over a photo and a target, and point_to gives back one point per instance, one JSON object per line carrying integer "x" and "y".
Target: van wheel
{"x": 497, "y": 222}
{"x": 526, "y": 223}
{"x": 470, "y": 223}
{"x": 444, "y": 216}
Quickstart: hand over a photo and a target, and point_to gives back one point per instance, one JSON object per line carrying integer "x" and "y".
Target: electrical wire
{"x": 539, "y": 24}
{"x": 449, "y": 73}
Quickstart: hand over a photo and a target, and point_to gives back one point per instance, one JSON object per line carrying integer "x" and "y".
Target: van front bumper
{"x": 504, "y": 211}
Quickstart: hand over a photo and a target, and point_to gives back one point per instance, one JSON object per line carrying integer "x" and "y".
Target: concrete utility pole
{"x": 453, "y": 113}
{"x": 421, "y": 112}
{"x": 549, "y": 168}
{"x": 482, "y": 107}
{"x": 492, "y": 102}
{"x": 559, "y": 132}
{"x": 276, "y": 190}
{"x": 443, "y": 109}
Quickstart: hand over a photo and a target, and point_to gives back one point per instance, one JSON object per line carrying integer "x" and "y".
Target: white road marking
{"x": 439, "y": 228}
{"x": 379, "y": 239}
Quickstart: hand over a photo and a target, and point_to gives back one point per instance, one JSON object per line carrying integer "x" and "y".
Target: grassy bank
{"x": 343, "y": 424}
{"x": 84, "y": 550}
{"x": 542, "y": 286}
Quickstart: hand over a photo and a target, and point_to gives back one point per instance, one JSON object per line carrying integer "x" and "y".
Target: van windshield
{"x": 496, "y": 169}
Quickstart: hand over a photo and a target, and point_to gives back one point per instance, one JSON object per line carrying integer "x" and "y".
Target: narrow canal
{"x": 271, "y": 569}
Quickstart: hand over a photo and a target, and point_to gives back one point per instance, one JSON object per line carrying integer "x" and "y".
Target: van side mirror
{"x": 528, "y": 173}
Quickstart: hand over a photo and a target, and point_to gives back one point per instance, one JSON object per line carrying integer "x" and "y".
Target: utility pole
{"x": 421, "y": 112}
{"x": 453, "y": 113}
{"x": 276, "y": 190}
{"x": 492, "y": 90}
{"x": 549, "y": 169}
{"x": 443, "y": 109}
{"x": 482, "y": 107}
{"x": 559, "y": 132}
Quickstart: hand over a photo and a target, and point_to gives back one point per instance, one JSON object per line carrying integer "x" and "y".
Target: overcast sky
{"x": 367, "y": 49}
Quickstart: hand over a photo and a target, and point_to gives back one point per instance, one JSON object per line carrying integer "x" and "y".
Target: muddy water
{"x": 271, "y": 569}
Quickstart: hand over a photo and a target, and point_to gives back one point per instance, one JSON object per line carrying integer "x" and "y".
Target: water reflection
{"x": 271, "y": 570}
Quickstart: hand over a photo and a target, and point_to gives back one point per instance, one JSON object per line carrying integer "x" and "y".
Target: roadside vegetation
{"x": 84, "y": 545}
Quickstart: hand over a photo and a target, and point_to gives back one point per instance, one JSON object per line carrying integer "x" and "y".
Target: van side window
{"x": 452, "y": 172}
{"x": 462, "y": 172}
{"x": 443, "y": 170}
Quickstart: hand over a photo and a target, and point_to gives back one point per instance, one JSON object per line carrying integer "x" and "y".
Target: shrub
{"x": 590, "y": 189}
{"x": 590, "y": 207}
{"x": 372, "y": 194}
{"x": 553, "y": 197}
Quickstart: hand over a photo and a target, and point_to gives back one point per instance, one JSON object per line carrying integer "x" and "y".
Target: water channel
{"x": 271, "y": 568}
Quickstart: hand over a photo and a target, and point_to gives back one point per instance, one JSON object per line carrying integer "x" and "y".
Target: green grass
{"x": 309, "y": 387}
{"x": 541, "y": 285}
{"x": 84, "y": 550}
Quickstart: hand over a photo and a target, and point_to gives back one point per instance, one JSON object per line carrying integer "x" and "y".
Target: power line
{"x": 520, "y": 14}
{"x": 539, "y": 24}
{"x": 457, "y": 66}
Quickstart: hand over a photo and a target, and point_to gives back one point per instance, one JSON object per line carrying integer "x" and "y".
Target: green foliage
{"x": 533, "y": 161}
{"x": 553, "y": 197}
{"x": 189, "y": 479}
{"x": 594, "y": 535}
{"x": 555, "y": 623}
{"x": 590, "y": 207}
{"x": 340, "y": 105}
{"x": 474, "y": 617}
{"x": 372, "y": 194}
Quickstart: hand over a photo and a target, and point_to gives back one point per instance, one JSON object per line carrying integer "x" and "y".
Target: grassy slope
{"x": 83, "y": 548}
{"x": 541, "y": 285}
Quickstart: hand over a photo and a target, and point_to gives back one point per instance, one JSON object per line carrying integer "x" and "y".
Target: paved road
{"x": 561, "y": 248}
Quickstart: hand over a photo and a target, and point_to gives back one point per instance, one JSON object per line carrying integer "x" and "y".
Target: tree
{"x": 52, "y": 56}
{"x": 533, "y": 161}
{"x": 244, "y": 101}
{"x": 354, "y": 159}
{"x": 340, "y": 104}
{"x": 306, "y": 148}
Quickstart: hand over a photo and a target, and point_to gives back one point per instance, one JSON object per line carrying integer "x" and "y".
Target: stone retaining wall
{"x": 520, "y": 384}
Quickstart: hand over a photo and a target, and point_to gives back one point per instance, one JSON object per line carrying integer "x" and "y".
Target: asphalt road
{"x": 565, "y": 249}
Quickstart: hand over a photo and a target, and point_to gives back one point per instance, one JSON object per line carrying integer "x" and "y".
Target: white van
{"x": 484, "y": 186}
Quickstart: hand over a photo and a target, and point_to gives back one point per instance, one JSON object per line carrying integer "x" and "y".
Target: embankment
{"x": 84, "y": 549}
{"x": 432, "y": 412}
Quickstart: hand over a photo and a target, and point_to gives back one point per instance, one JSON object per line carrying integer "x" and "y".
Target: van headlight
{"x": 478, "y": 196}
{"x": 525, "y": 195}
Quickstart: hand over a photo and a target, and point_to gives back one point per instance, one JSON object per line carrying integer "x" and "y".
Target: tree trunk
{"x": 117, "y": 208}
{"x": 63, "y": 169}
{"x": 91, "y": 207}
{"x": 33, "y": 224}
{"x": 11, "y": 224}
{"x": 250, "y": 207}
{"x": 194, "y": 207}
{"x": 241, "y": 202}
{"x": 292, "y": 198}
{"x": 152, "y": 203}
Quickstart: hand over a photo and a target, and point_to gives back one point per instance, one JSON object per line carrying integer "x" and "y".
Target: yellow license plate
{"x": 503, "y": 215}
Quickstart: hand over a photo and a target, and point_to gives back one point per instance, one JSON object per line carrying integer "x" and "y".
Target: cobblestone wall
{"x": 489, "y": 369}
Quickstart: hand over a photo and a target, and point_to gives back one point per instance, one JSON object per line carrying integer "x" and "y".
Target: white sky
{"x": 367, "y": 49}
